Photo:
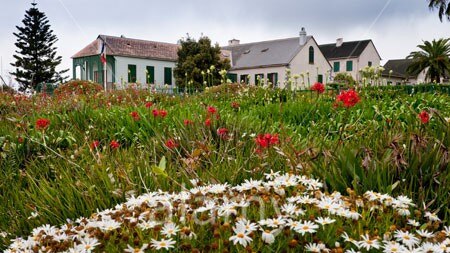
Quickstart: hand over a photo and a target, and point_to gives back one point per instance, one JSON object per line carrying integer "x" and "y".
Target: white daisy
{"x": 163, "y": 244}
{"x": 306, "y": 227}
{"x": 368, "y": 243}
{"x": 130, "y": 249}
{"x": 170, "y": 229}
{"x": 240, "y": 236}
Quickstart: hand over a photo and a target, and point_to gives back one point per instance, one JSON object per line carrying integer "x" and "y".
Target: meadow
{"x": 233, "y": 168}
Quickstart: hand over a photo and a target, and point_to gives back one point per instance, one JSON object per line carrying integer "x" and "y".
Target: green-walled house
{"x": 129, "y": 61}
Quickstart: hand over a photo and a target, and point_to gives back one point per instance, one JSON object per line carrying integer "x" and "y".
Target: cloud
{"x": 396, "y": 30}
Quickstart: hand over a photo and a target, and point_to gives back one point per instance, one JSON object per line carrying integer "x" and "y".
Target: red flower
{"x": 171, "y": 144}
{"x": 135, "y": 115}
{"x": 223, "y": 133}
{"x": 95, "y": 144}
{"x": 211, "y": 110}
{"x": 348, "y": 98}
{"x": 20, "y": 139}
{"x": 42, "y": 123}
{"x": 162, "y": 113}
{"x": 235, "y": 105}
{"x": 155, "y": 113}
{"x": 187, "y": 122}
{"x": 148, "y": 104}
{"x": 266, "y": 140}
{"x": 208, "y": 122}
{"x": 424, "y": 117}
{"x": 114, "y": 144}
{"x": 319, "y": 87}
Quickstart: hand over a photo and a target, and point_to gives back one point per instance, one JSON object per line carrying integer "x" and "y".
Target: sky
{"x": 395, "y": 26}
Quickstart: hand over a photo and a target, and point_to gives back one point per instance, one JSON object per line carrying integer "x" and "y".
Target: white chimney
{"x": 339, "y": 42}
{"x": 233, "y": 42}
{"x": 302, "y": 37}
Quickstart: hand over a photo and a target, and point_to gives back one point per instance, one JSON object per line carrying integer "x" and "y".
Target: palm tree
{"x": 442, "y": 5}
{"x": 433, "y": 57}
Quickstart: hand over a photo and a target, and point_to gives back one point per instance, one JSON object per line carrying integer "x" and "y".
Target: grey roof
{"x": 398, "y": 68}
{"x": 265, "y": 53}
{"x": 349, "y": 49}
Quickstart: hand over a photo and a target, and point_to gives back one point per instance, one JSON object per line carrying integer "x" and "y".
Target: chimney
{"x": 233, "y": 42}
{"x": 339, "y": 42}
{"x": 302, "y": 37}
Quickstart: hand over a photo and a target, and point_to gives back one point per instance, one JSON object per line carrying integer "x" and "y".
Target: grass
{"x": 379, "y": 145}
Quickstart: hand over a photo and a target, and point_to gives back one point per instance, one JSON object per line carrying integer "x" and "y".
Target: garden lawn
{"x": 71, "y": 155}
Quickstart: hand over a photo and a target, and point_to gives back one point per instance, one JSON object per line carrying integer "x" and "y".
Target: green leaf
{"x": 160, "y": 170}
{"x": 162, "y": 163}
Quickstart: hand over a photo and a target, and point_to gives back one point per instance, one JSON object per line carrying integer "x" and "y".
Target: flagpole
{"x": 104, "y": 68}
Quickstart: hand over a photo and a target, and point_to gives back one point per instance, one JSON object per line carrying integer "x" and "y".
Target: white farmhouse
{"x": 269, "y": 60}
{"x": 129, "y": 61}
{"x": 352, "y": 56}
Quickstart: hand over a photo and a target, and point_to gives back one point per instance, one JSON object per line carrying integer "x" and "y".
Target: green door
{"x": 320, "y": 78}
{"x": 168, "y": 76}
{"x": 131, "y": 73}
{"x": 150, "y": 73}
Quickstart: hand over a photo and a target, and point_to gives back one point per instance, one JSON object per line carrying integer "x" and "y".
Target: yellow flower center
{"x": 240, "y": 235}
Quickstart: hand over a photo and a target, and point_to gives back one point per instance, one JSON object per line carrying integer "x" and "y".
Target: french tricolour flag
{"x": 103, "y": 53}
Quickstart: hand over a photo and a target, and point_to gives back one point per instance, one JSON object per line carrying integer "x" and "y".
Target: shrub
{"x": 78, "y": 87}
{"x": 344, "y": 78}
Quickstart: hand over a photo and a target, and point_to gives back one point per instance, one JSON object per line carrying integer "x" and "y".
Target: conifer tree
{"x": 35, "y": 59}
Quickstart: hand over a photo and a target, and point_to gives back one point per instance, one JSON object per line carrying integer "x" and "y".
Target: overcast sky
{"x": 395, "y": 26}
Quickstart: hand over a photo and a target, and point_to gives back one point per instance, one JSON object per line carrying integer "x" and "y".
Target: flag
{"x": 103, "y": 53}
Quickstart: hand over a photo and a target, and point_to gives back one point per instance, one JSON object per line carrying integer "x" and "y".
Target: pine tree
{"x": 36, "y": 59}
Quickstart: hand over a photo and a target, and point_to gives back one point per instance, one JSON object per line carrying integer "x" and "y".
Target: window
{"x": 273, "y": 78}
{"x": 349, "y": 65}
{"x": 369, "y": 64}
{"x": 150, "y": 75}
{"x": 232, "y": 77}
{"x": 320, "y": 78}
{"x": 131, "y": 73}
{"x": 311, "y": 55}
{"x": 259, "y": 79}
{"x": 96, "y": 77}
{"x": 168, "y": 76}
{"x": 336, "y": 67}
{"x": 244, "y": 79}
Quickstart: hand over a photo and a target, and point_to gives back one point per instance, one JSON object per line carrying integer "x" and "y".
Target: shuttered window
{"x": 244, "y": 79}
{"x": 259, "y": 79}
{"x": 336, "y": 67}
{"x": 232, "y": 77}
{"x": 273, "y": 78}
{"x": 150, "y": 74}
{"x": 168, "y": 76}
{"x": 349, "y": 65}
{"x": 131, "y": 73}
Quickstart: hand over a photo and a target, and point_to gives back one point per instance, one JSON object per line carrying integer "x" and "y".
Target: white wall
{"x": 421, "y": 78}
{"x": 300, "y": 64}
{"x": 369, "y": 54}
{"x": 252, "y": 72}
{"x": 141, "y": 65}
